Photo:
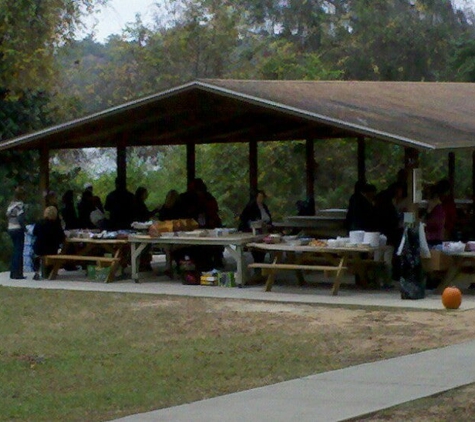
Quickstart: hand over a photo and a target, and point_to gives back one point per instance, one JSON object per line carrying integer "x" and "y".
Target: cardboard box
{"x": 438, "y": 261}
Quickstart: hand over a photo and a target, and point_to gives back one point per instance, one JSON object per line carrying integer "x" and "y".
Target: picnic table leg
{"x": 115, "y": 265}
{"x": 134, "y": 256}
{"x": 452, "y": 274}
{"x": 339, "y": 273}
{"x": 238, "y": 255}
{"x": 299, "y": 273}
{"x": 272, "y": 272}
{"x": 54, "y": 271}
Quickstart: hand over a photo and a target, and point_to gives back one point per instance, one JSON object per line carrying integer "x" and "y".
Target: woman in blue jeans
{"x": 16, "y": 230}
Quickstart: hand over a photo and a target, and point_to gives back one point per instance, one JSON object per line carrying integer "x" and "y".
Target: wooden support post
{"x": 44, "y": 174}
{"x": 190, "y": 163}
{"x": 253, "y": 169}
{"x": 122, "y": 164}
{"x": 473, "y": 193}
{"x": 361, "y": 159}
{"x": 310, "y": 171}
{"x": 452, "y": 172}
{"x": 310, "y": 167}
{"x": 411, "y": 162}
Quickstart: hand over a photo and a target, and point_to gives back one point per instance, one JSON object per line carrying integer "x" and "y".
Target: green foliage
{"x": 462, "y": 61}
{"x": 30, "y": 32}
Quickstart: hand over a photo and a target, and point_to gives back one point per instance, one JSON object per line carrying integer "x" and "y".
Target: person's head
{"x": 359, "y": 186}
{"x": 368, "y": 190}
{"x": 171, "y": 198}
{"x": 86, "y": 196}
{"x": 443, "y": 187}
{"x": 88, "y": 186}
{"x": 141, "y": 194}
{"x": 433, "y": 192}
{"x": 19, "y": 193}
{"x": 51, "y": 198}
{"x": 68, "y": 197}
{"x": 260, "y": 197}
{"x": 50, "y": 213}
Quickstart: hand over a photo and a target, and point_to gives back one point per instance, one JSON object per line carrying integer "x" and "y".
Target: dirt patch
{"x": 360, "y": 335}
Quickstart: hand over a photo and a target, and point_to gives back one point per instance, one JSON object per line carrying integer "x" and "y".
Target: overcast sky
{"x": 113, "y": 17}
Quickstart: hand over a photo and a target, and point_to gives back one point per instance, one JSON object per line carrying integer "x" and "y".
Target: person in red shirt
{"x": 448, "y": 204}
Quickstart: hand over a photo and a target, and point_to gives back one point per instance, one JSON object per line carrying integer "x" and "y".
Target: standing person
{"x": 120, "y": 205}
{"x": 360, "y": 215}
{"x": 450, "y": 209}
{"x": 141, "y": 211}
{"x": 85, "y": 208}
{"x": 48, "y": 237}
{"x": 16, "y": 230}
{"x": 434, "y": 218}
{"x": 68, "y": 211}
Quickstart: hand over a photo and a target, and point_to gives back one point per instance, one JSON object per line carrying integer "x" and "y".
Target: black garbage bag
{"x": 412, "y": 279}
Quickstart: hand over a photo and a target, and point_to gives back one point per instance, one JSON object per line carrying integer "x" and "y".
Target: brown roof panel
{"x": 424, "y": 115}
{"x": 421, "y": 114}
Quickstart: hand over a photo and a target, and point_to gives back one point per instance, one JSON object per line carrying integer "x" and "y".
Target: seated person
{"x": 141, "y": 211}
{"x": 170, "y": 210}
{"x": 256, "y": 210}
{"x": 48, "y": 238}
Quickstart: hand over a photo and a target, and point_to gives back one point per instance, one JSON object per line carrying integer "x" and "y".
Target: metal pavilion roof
{"x": 423, "y": 115}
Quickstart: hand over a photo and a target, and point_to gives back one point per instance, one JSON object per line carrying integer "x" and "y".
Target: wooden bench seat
{"x": 274, "y": 266}
{"x": 101, "y": 261}
{"x": 303, "y": 267}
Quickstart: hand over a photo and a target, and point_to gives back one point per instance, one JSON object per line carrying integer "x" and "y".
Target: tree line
{"x": 47, "y": 76}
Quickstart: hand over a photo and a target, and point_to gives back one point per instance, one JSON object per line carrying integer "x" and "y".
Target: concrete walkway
{"x": 331, "y": 396}
{"x": 283, "y": 293}
{"x": 336, "y": 395}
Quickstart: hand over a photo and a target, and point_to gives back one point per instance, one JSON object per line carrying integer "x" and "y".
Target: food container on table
{"x": 343, "y": 240}
{"x": 275, "y": 238}
{"x": 453, "y": 247}
{"x": 371, "y": 238}
{"x": 356, "y": 236}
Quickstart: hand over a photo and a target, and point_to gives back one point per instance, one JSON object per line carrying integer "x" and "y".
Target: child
{"x": 48, "y": 237}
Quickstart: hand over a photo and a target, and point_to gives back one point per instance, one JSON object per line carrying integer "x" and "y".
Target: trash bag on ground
{"x": 412, "y": 279}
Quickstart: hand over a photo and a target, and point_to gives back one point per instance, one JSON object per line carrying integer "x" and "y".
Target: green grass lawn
{"x": 88, "y": 356}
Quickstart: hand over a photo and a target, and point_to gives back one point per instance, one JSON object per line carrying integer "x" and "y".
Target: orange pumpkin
{"x": 451, "y": 297}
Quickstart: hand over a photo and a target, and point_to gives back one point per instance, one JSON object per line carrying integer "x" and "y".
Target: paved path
{"x": 280, "y": 293}
{"x": 336, "y": 395}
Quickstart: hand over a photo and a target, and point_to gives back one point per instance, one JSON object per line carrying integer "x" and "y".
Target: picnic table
{"x": 85, "y": 250}
{"x": 292, "y": 257}
{"x": 234, "y": 243}
{"x": 318, "y": 225}
{"x": 458, "y": 261}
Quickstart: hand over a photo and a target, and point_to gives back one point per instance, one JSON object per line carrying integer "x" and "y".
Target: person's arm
{"x": 21, "y": 217}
